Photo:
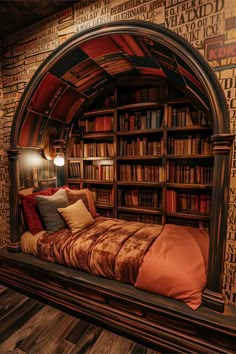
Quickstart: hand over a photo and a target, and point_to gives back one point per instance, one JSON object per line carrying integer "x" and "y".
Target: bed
{"x": 129, "y": 277}
{"x": 144, "y": 255}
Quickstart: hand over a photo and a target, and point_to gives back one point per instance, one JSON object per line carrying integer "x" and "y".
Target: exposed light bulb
{"x": 59, "y": 159}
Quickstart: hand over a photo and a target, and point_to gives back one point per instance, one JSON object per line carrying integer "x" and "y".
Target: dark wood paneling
{"x": 29, "y": 326}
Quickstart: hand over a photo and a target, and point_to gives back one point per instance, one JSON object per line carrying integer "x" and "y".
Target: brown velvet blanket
{"x": 111, "y": 248}
{"x": 168, "y": 260}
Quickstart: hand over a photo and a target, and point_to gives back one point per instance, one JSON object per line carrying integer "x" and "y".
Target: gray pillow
{"x": 48, "y": 205}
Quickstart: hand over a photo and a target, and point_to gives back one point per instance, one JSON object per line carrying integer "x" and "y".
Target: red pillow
{"x": 30, "y": 210}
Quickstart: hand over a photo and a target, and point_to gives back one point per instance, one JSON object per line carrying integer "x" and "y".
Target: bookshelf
{"x": 148, "y": 157}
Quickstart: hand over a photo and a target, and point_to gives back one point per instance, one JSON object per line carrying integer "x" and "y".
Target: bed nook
{"x": 130, "y": 233}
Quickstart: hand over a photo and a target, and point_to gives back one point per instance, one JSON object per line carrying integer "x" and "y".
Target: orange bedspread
{"x": 111, "y": 248}
{"x": 167, "y": 260}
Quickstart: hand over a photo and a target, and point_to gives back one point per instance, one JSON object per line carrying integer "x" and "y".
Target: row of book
{"x": 139, "y": 198}
{"x": 184, "y": 117}
{"x": 76, "y": 150}
{"x": 147, "y": 173}
{"x": 105, "y": 213}
{"x": 107, "y": 102}
{"x": 97, "y": 124}
{"x": 177, "y": 173}
{"x": 103, "y": 195}
{"x": 148, "y": 219}
{"x": 140, "y": 173}
{"x": 148, "y": 119}
{"x": 191, "y": 145}
{"x": 203, "y": 225}
{"x": 148, "y": 94}
{"x": 187, "y": 202}
{"x": 99, "y": 172}
{"x": 140, "y": 147}
{"x": 74, "y": 169}
{"x": 98, "y": 149}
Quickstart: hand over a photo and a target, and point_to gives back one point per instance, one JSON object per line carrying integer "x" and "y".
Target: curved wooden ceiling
{"x": 77, "y": 73}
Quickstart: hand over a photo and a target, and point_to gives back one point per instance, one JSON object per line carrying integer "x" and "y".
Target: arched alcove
{"x": 102, "y": 55}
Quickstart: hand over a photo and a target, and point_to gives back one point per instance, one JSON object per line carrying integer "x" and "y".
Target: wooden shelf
{"x": 147, "y": 126}
{"x": 189, "y": 186}
{"x": 140, "y": 132}
{"x": 191, "y": 128}
{"x": 187, "y": 215}
{"x": 73, "y": 180}
{"x": 194, "y": 156}
{"x": 74, "y": 158}
{"x": 95, "y": 181}
{"x": 140, "y": 106}
{"x": 147, "y": 157}
{"x": 98, "y": 135}
{"x": 98, "y": 158}
{"x": 104, "y": 206}
{"x": 143, "y": 210}
{"x": 99, "y": 111}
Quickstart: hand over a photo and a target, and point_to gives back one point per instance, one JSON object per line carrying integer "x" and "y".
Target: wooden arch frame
{"x": 222, "y": 139}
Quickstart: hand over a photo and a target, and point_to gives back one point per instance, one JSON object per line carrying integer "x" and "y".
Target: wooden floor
{"x": 29, "y": 326}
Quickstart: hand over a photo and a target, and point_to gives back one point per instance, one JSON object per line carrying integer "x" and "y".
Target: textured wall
{"x": 3, "y": 166}
{"x": 209, "y": 25}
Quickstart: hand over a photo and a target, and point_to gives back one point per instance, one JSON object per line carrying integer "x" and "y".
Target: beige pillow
{"x": 76, "y": 216}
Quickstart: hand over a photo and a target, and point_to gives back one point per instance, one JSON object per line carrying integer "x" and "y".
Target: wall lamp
{"x": 59, "y": 159}
{"x": 55, "y": 151}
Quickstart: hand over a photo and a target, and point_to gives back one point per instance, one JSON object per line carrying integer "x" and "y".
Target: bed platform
{"x": 161, "y": 322}
{"x": 164, "y": 324}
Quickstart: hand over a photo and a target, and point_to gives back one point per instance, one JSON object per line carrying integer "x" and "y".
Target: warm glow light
{"x": 59, "y": 159}
{"x": 31, "y": 158}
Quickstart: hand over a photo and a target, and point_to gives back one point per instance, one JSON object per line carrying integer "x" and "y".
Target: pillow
{"x": 84, "y": 194}
{"x": 76, "y": 216}
{"x": 175, "y": 265}
{"x": 32, "y": 217}
{"x": 48, "y": 210}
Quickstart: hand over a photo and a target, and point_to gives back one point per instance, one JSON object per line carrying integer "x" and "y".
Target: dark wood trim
{"x": 212, "y": 296}
{"x": 13, "y": 167}
{"x": 161, "y": 323}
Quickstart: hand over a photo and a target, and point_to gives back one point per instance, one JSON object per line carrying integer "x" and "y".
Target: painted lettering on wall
{"x": 92, "y": 14}
{"x": 220, "y": 54}
{"x": 229, "y": 288}
{"x": 146, "y": 10}
{"x": 195, "y": 20}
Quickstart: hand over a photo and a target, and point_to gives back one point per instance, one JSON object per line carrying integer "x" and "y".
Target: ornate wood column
{"x": 13, "y": 167}
{"x": 212, "y": 295}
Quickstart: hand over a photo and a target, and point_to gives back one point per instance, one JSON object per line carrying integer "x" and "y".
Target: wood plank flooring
{"x": 29, "y": 326}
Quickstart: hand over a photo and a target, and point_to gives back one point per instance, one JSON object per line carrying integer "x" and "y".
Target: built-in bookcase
{"x": 147, "y": 156}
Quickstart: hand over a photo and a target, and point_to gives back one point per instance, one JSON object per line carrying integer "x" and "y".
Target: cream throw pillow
{"x": 76, "y": 216}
